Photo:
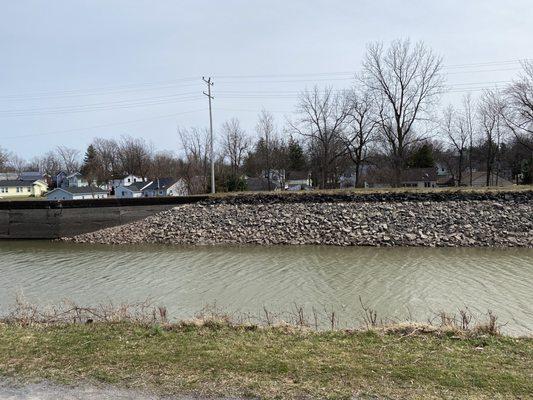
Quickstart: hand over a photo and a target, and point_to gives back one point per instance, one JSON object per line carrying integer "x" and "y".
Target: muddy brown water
{"x": 400, "y": 283}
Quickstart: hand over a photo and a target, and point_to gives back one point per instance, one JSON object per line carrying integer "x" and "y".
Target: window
{"x": 29, "y": 189}
{"x": 123, "y": 193}
{"x": 129, "y": 180}
{"x": 18, "y": 189}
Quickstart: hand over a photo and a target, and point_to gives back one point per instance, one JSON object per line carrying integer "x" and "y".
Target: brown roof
{"x": 419, "y": 175}
{"x": 297, "y": 175}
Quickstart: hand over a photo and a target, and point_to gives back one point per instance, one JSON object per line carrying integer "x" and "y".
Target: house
{"x": 165, "y": 187}
{"x": 479, "y": 178}
{"x": 60, "y": 178}
{"x": 126, "y": 180}
{"x": 298, "y": 180}
{"x": 31, "y": 176}
{"x": 411, "y": 177}
{"x": 17, "y": 188}
{"x": 261, "y": 184}
{"x": 77, "y": 193}
{"x": 74, "y": 180}
{"x": 419, "y": 177}
{"x": 131, "y": 190}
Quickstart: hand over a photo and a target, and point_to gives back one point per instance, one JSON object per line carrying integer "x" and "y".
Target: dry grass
{"x": 227, "y": 355}
{"x": 366, "y": 191}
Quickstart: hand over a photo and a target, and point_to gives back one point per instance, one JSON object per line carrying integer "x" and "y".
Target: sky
{"x": 72, "y": 70}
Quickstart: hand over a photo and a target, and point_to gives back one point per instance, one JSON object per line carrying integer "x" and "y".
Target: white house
{"x": 74, "y": 180}
{"x": 76, "y": 193}
{"x": 165, "y": 187}
{"x": 298, "y": 180}
{"x": 131, "y": 190}
{"x": 126, "y": 181}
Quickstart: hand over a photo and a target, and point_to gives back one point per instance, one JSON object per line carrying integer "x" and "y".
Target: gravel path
{"x": 49, "y": 391}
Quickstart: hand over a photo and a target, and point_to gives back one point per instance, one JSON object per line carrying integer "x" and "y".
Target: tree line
{"x": 390, "y": 117}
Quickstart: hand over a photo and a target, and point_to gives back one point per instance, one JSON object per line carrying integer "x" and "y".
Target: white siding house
{"x": 76, "y": 193}
{"x": 166, "y": 187}
{"x": 130, "y": 191}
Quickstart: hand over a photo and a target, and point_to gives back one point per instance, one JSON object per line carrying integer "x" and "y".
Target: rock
{"x": 382, "y": 220}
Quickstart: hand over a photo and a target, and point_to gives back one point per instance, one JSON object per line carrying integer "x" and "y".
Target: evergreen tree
{"x": 89, "y": 168}
{"x": 422, "y": 157}
{"x": 297, "y": 160}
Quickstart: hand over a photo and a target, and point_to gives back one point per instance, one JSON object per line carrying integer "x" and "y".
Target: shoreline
{"x": 405, "y": 219}
{"x": 214, "y": 358}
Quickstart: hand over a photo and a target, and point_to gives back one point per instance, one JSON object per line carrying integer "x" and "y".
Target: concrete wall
{"x": 52, "y": 219}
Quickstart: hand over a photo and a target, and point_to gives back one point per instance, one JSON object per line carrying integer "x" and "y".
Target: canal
{"x": 400, "y": 283}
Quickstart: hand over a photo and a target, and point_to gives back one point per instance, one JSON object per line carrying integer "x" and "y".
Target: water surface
{"x": 401, "y": 283}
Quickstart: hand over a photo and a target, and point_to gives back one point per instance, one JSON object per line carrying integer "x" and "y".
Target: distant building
{"x": 419, "y": 177}
{"x": 77, "y": 193}
{"x": 60, "y": 179}
{"x": 130, "y": 191}
{"x": 126, "y": 180}
{"x": 479, "y": 178}
{"x": 17, "y": 188}
{"x": 412, "y": 177}
{"x": 31, "y": 176}
{"x": 74, "y": 180}
{"x": 298, "y": 180}
{"x": 165, "y": 187}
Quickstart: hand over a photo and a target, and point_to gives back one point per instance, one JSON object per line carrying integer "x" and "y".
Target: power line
{"x": 101, "y": 125}
{"x": 188, "y": 81}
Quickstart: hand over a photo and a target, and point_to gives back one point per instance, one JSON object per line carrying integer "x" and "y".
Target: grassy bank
{"x": 221, "y": 359}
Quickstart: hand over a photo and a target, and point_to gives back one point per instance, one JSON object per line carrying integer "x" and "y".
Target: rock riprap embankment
{"x": 465, "y": 223}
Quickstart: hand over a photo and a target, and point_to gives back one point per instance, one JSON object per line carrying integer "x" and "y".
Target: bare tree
{"x": 107, "y": 153}
{"x": 490, "y": 117}
{"x": 4, "y": 159}
{"x": 235, "y": 144}
{"x": 468, "y": 116}
{"x": 322, "y": 118}
{"x": 165, "y": 164}
{"x": 518, "y": 113}
{"x": 49, "y": 163}
{"x": 69, "y": 158}
{"x": 196, "y": 147}
{"x": 406, "y": 81}
{"x": 361, "y": 128}
{"x": 16, "y": 163}
{"x": 135, "y": 155}
{"x": 266, "y": 130}
{"x": 455, "y": 128}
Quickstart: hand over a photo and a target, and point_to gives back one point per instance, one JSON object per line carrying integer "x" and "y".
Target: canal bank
{"x": 428, "y": 219}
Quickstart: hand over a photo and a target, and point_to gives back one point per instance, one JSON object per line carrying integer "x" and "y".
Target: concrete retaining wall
{"x": 54, "y": 219}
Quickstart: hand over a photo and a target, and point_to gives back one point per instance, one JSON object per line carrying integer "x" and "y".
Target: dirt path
{"x": 49, "y": 391}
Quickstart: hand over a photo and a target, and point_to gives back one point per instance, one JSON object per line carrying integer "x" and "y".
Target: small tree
{"x": 235, "y": 144}
{"x": 322, "y": 118}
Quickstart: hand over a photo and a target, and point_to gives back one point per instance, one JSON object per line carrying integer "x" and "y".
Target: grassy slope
{"x": 270, "y": 363}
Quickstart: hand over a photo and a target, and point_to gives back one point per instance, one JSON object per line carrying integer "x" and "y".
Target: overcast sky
{"x": 72, "y": 70}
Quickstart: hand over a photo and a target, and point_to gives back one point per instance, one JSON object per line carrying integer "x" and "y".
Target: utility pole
{"x": 208, "y": 94}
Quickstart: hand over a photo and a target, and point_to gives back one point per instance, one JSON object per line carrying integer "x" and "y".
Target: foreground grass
{"x": 226, "y": 360}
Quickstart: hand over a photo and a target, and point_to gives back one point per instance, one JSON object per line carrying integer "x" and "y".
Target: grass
{"x": 365, "y": 191}
{"x": 218, "y": 358}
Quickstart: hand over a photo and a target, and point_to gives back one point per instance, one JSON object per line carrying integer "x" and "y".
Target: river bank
{"x": 429, "y": 219}
{"x": 215, "y": 358}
